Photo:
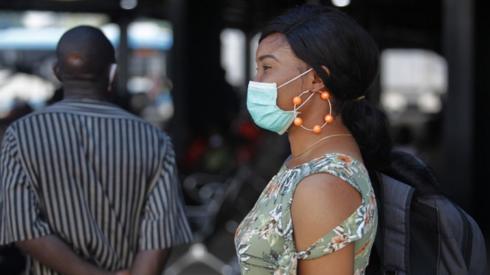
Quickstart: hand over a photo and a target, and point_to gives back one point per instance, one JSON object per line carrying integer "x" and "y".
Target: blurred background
{"x": 184, "y": 66}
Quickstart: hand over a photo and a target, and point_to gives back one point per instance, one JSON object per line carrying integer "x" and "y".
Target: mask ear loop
{"x": 297, "y": 100}
{"x": 294, "y": 78}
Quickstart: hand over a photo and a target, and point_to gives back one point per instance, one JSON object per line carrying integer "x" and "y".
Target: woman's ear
{"x": 326, "y": 69}
{"x": 318, "y": 84}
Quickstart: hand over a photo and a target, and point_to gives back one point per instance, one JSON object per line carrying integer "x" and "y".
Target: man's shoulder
{"x": 80, "y": 109}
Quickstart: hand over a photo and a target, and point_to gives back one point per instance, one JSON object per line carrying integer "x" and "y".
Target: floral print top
{"x": 264, "y": 239}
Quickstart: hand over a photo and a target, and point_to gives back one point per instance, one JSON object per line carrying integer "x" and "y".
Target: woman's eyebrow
{"x": 265, "y": 56}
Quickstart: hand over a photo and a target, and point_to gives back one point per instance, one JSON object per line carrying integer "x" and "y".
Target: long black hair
{"x": 325, "y": 37}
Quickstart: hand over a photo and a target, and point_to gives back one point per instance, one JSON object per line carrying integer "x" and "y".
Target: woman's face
{"x": 276, "y": 62}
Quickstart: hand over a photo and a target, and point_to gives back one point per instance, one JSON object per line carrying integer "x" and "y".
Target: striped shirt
{"x": 99, "y": 178}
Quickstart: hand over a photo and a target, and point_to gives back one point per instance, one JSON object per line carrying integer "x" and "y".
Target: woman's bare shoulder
{"x": 320, "y": 203}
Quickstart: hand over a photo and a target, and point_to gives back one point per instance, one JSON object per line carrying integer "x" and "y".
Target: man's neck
{"x": 84, "y": 90}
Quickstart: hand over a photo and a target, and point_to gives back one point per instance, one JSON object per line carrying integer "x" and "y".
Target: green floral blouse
{"x": 264, "y": 239}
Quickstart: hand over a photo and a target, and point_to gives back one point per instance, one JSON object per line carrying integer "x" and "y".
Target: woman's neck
{"x": 300, "y": 139}
{"x": 306, "y": 145}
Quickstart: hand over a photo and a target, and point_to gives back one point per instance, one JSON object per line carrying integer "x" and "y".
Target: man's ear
{"x": 56, "y": 71}
{"x": 112, "y": 72}
{"x": 112, "y": 76}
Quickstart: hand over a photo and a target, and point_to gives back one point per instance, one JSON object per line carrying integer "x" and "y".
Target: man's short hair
{"x": 84, "y": 53}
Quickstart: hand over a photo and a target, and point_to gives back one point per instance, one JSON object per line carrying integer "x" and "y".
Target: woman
{"x": 318, "y": 214}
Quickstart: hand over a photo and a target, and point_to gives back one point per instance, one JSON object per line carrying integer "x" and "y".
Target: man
{"x": 85, "y": 187}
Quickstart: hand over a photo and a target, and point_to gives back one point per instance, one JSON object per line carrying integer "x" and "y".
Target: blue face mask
{"x": 262, "y": 106}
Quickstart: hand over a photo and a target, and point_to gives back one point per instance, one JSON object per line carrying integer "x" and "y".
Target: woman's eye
{"x": 265, "y": 67}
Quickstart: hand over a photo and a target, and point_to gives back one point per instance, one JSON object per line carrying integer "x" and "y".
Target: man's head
{"x": 84, "y": 54}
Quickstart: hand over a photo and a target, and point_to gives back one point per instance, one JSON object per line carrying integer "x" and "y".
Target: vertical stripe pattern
{"x": 96, "y": 176}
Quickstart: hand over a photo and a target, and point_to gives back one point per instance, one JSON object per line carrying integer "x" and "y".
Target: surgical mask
{"x": 262, "y": 105}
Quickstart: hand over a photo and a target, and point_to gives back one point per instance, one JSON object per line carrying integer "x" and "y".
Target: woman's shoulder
{"x": 328, "y": 198}
{"x": 313, "y": 197}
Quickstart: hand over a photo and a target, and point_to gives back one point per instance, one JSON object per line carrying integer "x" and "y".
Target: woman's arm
{"x": 320, "y": 203}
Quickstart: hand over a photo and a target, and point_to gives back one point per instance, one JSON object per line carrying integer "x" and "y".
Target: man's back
{"x": 101, "y": 179}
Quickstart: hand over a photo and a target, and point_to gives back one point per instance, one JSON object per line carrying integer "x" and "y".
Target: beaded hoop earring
{"x": 328, "y": 119}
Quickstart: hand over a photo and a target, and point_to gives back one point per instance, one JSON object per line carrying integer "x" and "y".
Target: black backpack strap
{"x": 397, "y": 198}
{"x": 474, "y": 247}
{"x": 467, "y": 237}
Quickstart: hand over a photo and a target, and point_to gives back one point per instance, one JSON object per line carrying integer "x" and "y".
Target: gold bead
{"x": 328, "y": 118}
{"x": 297, "y": 100}
{"x": 317, "y": 129}
{"x": 298, "y": 121}
{"x": 325, "y": 95}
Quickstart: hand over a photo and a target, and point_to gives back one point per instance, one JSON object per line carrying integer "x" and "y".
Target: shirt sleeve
{"x": 164, "y": 221}
{"x": 20, "y": 214}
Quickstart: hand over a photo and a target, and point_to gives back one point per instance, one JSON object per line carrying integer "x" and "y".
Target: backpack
{"x": 420, "y": 230}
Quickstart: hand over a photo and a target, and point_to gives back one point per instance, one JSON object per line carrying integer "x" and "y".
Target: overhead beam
{"x": 152, "y": 8}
